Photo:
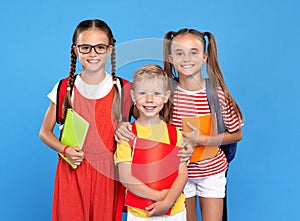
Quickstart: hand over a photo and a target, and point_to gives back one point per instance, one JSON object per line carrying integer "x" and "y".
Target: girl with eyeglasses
{"x": 90, "y": 192}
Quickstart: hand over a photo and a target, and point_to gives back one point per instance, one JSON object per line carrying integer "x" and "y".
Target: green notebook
{"x": 74, "y": 131}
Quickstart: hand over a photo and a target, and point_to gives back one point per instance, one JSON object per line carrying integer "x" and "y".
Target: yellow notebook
{"x": 204, "y": 124}
{"x": 74, "y": 131}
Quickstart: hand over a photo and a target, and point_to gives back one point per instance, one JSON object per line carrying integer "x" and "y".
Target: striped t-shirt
{"x": 195, "y": 103}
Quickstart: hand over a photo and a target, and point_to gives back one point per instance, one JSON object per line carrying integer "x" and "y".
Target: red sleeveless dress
{"x": 90, "y": 192}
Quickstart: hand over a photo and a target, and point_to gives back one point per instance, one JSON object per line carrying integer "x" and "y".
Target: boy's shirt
{"x": 156, "y": 133}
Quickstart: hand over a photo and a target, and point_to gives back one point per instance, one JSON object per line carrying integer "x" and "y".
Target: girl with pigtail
{"x": 90, "y": 192}
{"x": 185, "y": 52}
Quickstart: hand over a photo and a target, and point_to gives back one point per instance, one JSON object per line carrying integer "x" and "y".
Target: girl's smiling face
{"x": 187, "y": 54}
{"x": 92, "y": 62}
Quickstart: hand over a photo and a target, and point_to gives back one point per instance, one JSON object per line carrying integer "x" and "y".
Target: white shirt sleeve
{"x": 52, "y": 94}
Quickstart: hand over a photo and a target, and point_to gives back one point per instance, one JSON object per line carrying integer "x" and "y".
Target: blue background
{"x": 258, "y": 44}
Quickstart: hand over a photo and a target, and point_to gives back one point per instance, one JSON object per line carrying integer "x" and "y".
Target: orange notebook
{"x": 204, "y": 123}
{"x": 155, "y": 164}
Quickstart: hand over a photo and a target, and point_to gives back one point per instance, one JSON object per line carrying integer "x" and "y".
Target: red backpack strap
{"x": 60, "y": 95}
{"x": 172, "y": 134}
{"x": 61, "y": 92}
{"x": 134, "y": 131}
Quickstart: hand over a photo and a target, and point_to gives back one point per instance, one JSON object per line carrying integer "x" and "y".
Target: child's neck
{"x": 192, "y": 83}
{"x": 92, "y": 77}
{"x": 145, "y": 121}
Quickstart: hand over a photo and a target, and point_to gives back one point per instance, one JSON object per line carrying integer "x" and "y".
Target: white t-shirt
{"x": 89, "y": 91}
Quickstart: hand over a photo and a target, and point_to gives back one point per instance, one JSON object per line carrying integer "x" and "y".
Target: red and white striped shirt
{"x": 195, "y": 103}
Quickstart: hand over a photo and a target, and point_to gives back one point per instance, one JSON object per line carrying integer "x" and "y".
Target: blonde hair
{"x": 152, "y": 71}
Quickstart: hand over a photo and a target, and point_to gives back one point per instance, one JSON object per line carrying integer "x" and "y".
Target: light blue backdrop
{"x": 258, "y": 44}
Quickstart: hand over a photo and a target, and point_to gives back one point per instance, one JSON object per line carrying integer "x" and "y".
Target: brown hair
{"x": 102, "y": 26}
{"x": 213, "y": 67}
{"x": 152, "y": 71}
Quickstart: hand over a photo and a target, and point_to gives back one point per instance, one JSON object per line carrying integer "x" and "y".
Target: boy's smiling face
{"x": 150, "y": 95}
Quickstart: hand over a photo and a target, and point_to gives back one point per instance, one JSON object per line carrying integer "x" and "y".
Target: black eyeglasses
{"x": 99, "y": 49}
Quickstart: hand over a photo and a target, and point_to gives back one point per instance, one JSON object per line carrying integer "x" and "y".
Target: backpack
{"x": 228, "y": 149}
{"x": 126, "y": 102}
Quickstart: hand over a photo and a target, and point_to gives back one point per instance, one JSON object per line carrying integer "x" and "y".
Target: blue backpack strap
{"x": 228, "y": 149}
{"x": 220, "y": 121}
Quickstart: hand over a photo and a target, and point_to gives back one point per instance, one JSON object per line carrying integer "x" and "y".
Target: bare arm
{"x": 74, "y": 154}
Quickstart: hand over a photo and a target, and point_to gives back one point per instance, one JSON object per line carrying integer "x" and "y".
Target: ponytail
{"x": 215, "y": 74}
{"x": 213, "y": 71}
{"x": 168, "y": 67}
{"x": 170, "y": 70}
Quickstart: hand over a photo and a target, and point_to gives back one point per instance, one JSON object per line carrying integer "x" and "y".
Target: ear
{"x": 74, "y": 48}
{"x": 167, "y": 96}
{"x": 132, "y": 96}
{"x": 205, "y": 56}
{"x": 109, "y": 50}
{"x": 171, "y": 59}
